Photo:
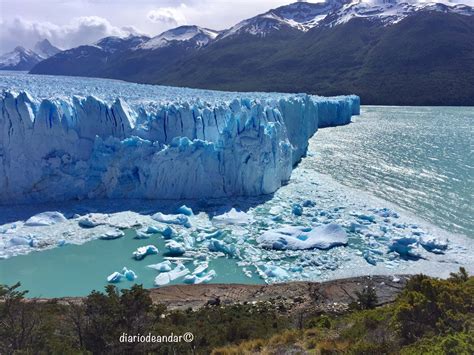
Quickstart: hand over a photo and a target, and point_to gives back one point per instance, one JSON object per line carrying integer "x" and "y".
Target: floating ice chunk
{"x": 220, "y": 246}
{"x": 141, "y": 252}
{"x": 369, "y": 257}
{"x": 112, "y": 234}
{"x": 434, "y": 245}
{"x": 152, "y": 230}
{"x": 114, "y": 277}
{"x": 19, "y": 241}
{"x": 295, "y": 238}
{"x": 45, "y": 219}
{"x": 179, "y": 219}
{"x": 168, "y": 232}
{"x": 129, "y": 274}
{"x": 185, "y": 210}
{"x": 175, "y": 248}
{"x": 233, "y": 217}
{"x": 297, "y": 209}
{"x": 165, "y": 278}
{"x": 276, "y": 272}
{"x": 92, "y": 220}
{"x": 405, "y": 247}
{"x": 195, "y": 279}
{"x": 164, "y": 266}
{"x": 199, "y": 270}
{"x": 309, "y": 203}
{"x": 358, "y": 228}
{"x": 141, "y": 234}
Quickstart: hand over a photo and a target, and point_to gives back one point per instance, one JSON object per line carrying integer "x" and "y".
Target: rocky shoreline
{"x": 331, "y": 296}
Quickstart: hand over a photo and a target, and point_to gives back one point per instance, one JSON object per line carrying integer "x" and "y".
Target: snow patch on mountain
{"x": 303, "y": 16}
{"x": 196, "y": 35}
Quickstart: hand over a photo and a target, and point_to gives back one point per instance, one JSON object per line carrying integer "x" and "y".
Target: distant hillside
{"x": 388, "y": 52}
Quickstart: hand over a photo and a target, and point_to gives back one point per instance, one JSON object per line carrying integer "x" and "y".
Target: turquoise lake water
{"x": 78, "y": 269}
{"x": 420, "y": 159}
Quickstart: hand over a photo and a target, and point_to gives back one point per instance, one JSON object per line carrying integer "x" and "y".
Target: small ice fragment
{"x": 198, "y": 271}
{"x": 164, "y": 266}
{"x": 434, "y": 245}
{"x": 175, "y": 248}
{"x": 185, "y": 210}
{"x": 165, "y": 278}
{"x": 112, "y": 234}
{"x": 309, "y": 203}
{"x": 152, "y": 230}
{"x": 297, "y": 209}
{"x": 168, "y": 232}
{"x": 141, "y": 234}
{"x": 129, "y": 274}
{"x": 19, "y": 241}
{"x": 276, "y": 272}
{"x": 219, "y": 246}
{"x": 114, "y": 277}
{"x": 233, "y": 217}
{"x": 141, "y": 252}
{"x": 91, "y": 221}
{"x": 179, "y": 219}
{"x": 195, "y": 279}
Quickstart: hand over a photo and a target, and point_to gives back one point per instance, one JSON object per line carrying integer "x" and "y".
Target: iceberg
{"x": 142, "y": 252}
{"x": 143, "y": 141}
{"x": 166, "y": 277}
{"x": 179, "y": 219}
{"x": 116, "y": 276}
{"x": 112, "y": 234}
{"x": 175, "y": 248}
{"x": 164, "y": 266}
{"x": 45, "y": 219}
{"x": 195, "y": 279}
{"x": 298, "y": 238}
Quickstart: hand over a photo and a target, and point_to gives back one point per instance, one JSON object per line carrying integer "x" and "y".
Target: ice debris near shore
{"x": 299, "y": 238}
{"x": 201, "y": 144}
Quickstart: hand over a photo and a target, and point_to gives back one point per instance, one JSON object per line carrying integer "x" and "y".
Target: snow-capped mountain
{"x": 45, "y": 49}
{"x": 335, "y": 47}
{"x": 194, "y": 35}
{"x": 303, "y": 16}
{"x": 114, "y": 44}
{"x": 19, "y": 59}
{"x": 24, "y": 59}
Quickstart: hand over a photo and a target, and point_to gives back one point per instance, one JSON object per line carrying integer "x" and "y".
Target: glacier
{"x": 94, "y": 138}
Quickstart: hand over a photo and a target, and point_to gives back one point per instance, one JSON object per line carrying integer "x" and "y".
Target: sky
{"x": 69, "y": 23}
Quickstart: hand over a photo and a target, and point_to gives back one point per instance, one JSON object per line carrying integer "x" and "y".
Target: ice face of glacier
{"x": 201, "y": 145}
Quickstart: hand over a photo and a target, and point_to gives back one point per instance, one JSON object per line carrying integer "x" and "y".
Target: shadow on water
{"x": 213, "y": 206}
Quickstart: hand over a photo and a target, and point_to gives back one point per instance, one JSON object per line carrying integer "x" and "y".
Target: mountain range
{"x": 398, "y": 52}
{"x": 25, "y": 59}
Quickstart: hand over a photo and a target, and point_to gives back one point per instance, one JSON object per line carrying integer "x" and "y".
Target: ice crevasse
{"x": 63, "y": 148}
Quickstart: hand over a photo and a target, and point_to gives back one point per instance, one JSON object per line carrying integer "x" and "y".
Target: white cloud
{"x": 80, "y": 30}
{"x": 168, "y": 16}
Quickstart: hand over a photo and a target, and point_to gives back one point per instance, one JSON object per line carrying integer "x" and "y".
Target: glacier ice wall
{"x": 62, "y": 148}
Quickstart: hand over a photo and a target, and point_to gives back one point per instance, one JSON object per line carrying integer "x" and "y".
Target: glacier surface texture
{"x": 93, "y": 138}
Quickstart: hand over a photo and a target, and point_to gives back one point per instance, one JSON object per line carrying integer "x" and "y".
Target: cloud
{"x": 168, "y": 16}
{"x": 80, "y": 30}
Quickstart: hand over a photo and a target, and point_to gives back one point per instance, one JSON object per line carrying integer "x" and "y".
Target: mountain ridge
{"x": 331, "y": 48}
